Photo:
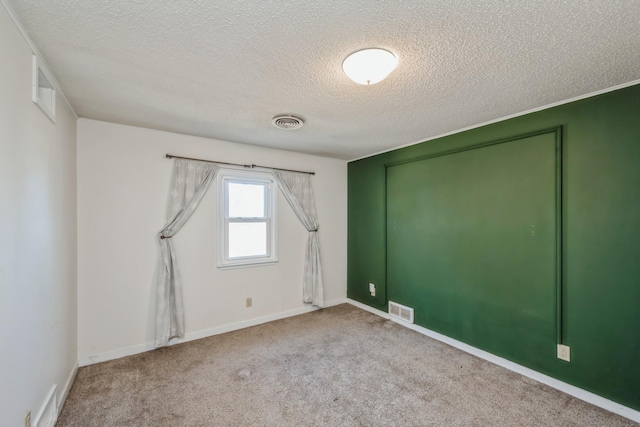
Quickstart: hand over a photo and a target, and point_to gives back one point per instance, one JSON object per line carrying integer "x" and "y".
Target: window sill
{"x": 247, "y": 264}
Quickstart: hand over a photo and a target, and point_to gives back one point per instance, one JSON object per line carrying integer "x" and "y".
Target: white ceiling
{"x": 223, "y": 69}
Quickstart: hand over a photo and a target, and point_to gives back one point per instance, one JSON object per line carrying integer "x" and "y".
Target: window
{"x": 247, "y": 219}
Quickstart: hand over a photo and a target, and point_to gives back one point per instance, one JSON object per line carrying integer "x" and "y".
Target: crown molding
{"x": 501, "y": 119}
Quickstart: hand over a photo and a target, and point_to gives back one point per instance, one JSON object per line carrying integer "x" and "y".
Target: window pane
{"x": 246, "y": 200}
{"x": 247, "y": 239}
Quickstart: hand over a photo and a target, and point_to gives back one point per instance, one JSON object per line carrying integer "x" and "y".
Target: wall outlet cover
{"x": 564, "y": 352}
{"x": 249, "y": 302}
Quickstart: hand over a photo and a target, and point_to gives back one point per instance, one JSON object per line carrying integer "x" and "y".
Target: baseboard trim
{"x": 196, "y": 335}
{"x": 368, "y": 308}
{"x": 574, "y": 391}
{"x": 67, "y": 387}
{"x": 49, "y": 409}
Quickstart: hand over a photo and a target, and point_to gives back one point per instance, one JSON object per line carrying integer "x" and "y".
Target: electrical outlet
{"x": 564, "y": 352}
{"x": 27, "y": 419}
{"x": 249, "y": 302}
{"x": 372, "y": 289}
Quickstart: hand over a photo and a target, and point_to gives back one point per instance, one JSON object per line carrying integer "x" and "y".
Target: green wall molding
{"x": 557, "y": 131}
{"x": 597, "y": 246}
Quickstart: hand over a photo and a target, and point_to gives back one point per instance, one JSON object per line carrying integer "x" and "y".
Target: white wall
{"x": 123, "y": 180}
{"x": 38, "y": 238}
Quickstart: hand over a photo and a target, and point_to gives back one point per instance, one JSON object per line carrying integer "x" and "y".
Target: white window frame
{"x": 250, "y": 177}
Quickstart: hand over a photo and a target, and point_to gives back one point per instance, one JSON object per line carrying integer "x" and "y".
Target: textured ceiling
{"x": 223, "y": 69}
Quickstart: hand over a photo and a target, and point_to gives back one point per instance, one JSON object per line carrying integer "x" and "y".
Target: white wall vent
{"x": 43, "y": 92}
{"x": 400, "y": 312}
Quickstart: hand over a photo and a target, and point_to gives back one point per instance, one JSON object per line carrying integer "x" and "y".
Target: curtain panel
{"x": 190, "y": 182}
{"x": 296, "y": 188}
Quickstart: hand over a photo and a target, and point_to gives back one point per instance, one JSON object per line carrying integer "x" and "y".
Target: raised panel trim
{"x": 557, "y": 131}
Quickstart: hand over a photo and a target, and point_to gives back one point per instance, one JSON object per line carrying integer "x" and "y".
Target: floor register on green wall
{"x": 519, "y": 238}
{"x": 400, "y": 312}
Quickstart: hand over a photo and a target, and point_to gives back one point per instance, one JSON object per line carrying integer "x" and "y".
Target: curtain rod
{"x": 171, "y": 156}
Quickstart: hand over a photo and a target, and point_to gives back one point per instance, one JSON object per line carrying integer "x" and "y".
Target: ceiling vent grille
{"x": 287, "y": 122}
{"x": 400, "y": 312}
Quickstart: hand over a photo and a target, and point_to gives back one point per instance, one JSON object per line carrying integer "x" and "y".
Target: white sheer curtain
{"x": 190, "y": 182}
{"x": 296, "y": 188}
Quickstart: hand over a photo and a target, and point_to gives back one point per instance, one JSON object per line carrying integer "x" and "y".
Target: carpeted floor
{"x": 340, "y": 366}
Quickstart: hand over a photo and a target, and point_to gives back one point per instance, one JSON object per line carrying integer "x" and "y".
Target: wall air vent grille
{"x": 287, "y": 122}
{"x": 400, "y": 312}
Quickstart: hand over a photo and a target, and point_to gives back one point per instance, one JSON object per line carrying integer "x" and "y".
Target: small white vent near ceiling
{"x": 287, "y": 122}
{"x": 400, "y": 312}
{"x": 43, "y": 93}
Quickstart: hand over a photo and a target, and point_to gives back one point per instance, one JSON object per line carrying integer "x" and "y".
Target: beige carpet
{"x": 340, "y": 366}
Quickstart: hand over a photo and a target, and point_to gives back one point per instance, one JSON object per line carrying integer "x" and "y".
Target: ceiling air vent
{"x": 287, "y": 122}
{"x": 400, "y": 312}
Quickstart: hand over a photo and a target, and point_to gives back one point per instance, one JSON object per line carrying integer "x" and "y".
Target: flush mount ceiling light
{"x": 369, "y": 66}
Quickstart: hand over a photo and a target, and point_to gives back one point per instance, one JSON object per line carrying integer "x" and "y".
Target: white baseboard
{"x": 67, "y": 387}
{"x": 574, "y": 391}
{"x": 48, "y": 413}
{"x": 196, "y": 335}
{"x": 365, "y": 307}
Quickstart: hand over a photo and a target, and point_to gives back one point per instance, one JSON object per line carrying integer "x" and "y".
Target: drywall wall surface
{"x": 599, "y": 295}
{"x": 38, "y": 234}
{"x": 123, "y": 182}
{"x": 488, "y": 248}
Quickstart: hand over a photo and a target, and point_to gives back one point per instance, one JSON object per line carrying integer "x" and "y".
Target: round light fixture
{"x": 369, "y": 66}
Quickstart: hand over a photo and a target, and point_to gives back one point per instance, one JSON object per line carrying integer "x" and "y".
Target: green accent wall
{"x": 514, "y": 237}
